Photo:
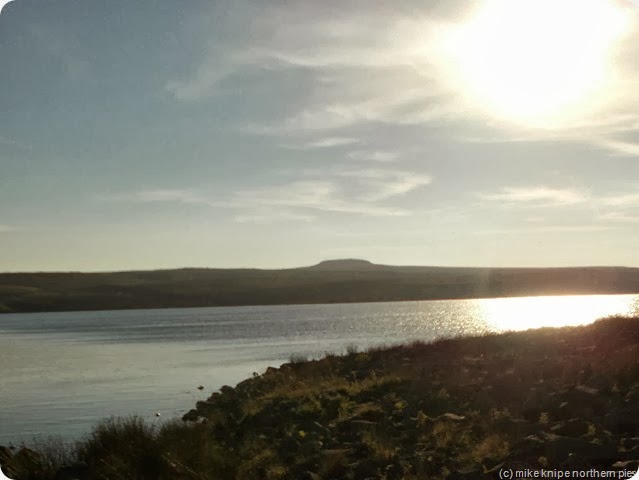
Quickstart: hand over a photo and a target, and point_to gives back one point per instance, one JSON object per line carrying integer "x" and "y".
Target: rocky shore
{"x": 455, "y": 409}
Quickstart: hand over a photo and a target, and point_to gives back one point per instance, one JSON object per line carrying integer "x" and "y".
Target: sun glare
{"x": 535, "y": 62}
{"x": 523, "y": 313}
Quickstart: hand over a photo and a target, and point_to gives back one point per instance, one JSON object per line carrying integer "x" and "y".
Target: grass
{"x": 436, "y": 410}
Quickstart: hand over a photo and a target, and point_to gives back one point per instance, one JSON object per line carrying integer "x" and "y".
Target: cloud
{"x": 537, "y": 195}
{"x": 318, "y": 195}
{"x": 370, "y": 67}
{"x": 373, "y": 155}
{"x": 268, "y": 216}
{"x": 619, "y": 217}
{"x": 13, "y": 143}
{"x": 202, "y": 83}
{"x": 383, "y": 184}
{"x": 546, "y": 229}
{"x": 363, "y": 66}
{"x": 346, "y": 190}
{"x": 324, "y": 142}
{"x": 64, "y": 48}
{"x": 618, "y": 148}
{"x": 156, "y": 195}
{"x": 623, "y": 200}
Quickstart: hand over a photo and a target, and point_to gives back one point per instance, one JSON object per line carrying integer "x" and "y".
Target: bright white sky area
{"x": 272, "y": 134}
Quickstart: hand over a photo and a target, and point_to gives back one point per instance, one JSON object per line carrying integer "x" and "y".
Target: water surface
{"x": 61, "y": 372}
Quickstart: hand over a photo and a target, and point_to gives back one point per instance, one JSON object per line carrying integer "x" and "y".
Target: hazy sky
{"x": 277, "y": 134}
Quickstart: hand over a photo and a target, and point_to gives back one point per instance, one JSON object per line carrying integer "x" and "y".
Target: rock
{"x": 227, "y": 390}
{"x": 627, "y": 465}
{"x": 516, "y": 427}
{"x": 309, "y": 476}
{"x": 393, "y": 472}
{"x": 633, "y": 395}
{"x": 191, "y": 416}
{"x": 583, "y": 402}
{"x": 361, "y": 426}
{"x": 530, "y": 447}
{"x": 366, "y": 468}
{"x": 559, "y": 448}
{"x": 622, "y": 420}
{"x": 587, "y": 389}
{"x": 575, "y": 462}
{"x": 201, "y": 387}
{"x": 575, "y": 427}
{"x": 77, "y": 471}
{"x": 539, "y": 399}
{"x": 451, "y": 416}
{"x": 5, "y": 454}
{"x": 467, "y": 474}
{"x": 318, "y": 429}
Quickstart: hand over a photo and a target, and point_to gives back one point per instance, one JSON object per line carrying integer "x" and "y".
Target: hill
{"x": 333, "y": 281}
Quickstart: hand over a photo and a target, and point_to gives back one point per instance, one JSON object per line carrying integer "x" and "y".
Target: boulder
{"x": 5, "y": 454}
{"x": 191, "y": 416}
{"x": 77, "y": 471}
{"x": 516, "y": 427}
{"x": 559, "y": 448}
{"x": 622, "y": 420}
{"x": 575, "y": 427}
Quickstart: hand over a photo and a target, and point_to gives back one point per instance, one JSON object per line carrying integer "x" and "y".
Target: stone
{"x": 191, "y": 416}
{"x": 559, "y": 448}
{"x": 575, "y": 427}
{"x": 517, "y": 427}
{"x": 622, "y": 420}
{"x": 77, "y": 471}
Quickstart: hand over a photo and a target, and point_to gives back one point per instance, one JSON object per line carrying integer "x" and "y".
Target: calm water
{"x": 61, "y": 372}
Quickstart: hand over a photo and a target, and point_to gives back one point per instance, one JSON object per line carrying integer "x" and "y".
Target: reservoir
{"x": 62, "y": 372}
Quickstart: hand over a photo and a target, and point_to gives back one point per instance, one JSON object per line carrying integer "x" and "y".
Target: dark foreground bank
{"x": 462, "y": 408}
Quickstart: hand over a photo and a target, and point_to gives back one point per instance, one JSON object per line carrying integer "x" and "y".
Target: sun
{"x": 536, "y": 62}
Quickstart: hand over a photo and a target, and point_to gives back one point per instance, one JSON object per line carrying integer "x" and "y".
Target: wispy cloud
{"x": 320, "y": 195}
{"x": 371, "y": 66}
{"x": 63, "y": 48}
{"x": 13, "y": 143}
{"x": 619, "y": 148}
{"x": 622, "y": 200}
{"x": 383, "y": 184}
{"x": 373, "y": 155}
{"x": 546, "y": 229}
{"x": 268, "y": 216}
{"x": 344, "y": 190}
{"x": 323, "y": 142}
{"x": 156, "y": 195}
{"x": 619, "y": 217}
{"x": 537, "y": 195}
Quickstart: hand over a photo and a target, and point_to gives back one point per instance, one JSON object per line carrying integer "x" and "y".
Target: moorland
{"x": 333, "y": 281}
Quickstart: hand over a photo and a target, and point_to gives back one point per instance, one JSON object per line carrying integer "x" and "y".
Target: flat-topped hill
{"x": 331, "y": 281}
{"x": 349, "y": 264}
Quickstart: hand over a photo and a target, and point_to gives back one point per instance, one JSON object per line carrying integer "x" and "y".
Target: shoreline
{"x": 470, "y": 405}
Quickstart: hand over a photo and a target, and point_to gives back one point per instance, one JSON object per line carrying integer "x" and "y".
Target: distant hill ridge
{"x": 345, "y": 264}
{"x": 330, "y": 281}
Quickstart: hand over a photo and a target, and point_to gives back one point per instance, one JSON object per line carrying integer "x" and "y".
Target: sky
{"x": 276, "y": 134}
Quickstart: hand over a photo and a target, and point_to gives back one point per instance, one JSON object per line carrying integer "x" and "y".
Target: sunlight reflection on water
{"x": 534, "y": 312}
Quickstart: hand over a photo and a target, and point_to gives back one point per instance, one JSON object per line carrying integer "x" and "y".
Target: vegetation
{"x": 328, "y": 282}
{"x": 456, "y": 408}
